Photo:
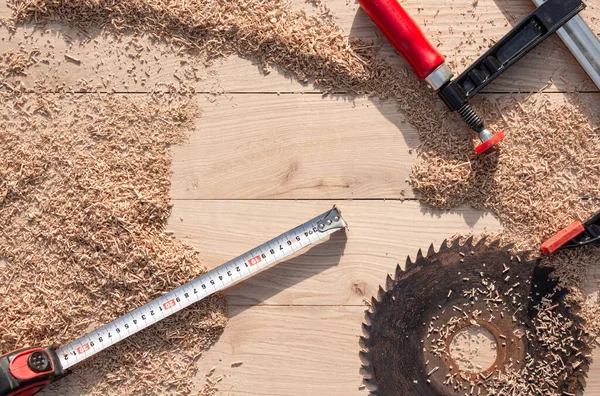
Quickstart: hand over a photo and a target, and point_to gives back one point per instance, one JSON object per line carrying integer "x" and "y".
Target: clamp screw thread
{"x": 467, "y": 113}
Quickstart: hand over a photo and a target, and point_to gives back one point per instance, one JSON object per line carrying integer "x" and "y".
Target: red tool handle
{"x": 562, "y": 237}
{"x": 27, "y": 371}
{"x": 404, "y": 34}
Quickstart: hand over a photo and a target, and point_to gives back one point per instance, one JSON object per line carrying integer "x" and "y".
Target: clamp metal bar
{"x": 582, "y": 43}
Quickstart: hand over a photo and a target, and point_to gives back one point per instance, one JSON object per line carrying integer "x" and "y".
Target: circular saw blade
{"x": 409, "y": 327}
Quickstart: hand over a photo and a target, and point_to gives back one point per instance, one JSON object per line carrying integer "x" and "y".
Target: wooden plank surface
{"x": 288, "y": 351}
{"x": 460, "y": 30}
{"x": 296, "y": 146}
{"x": 343, "y": 271}
{"x": 301, "y": 146}
{"x": 296, "y": 326}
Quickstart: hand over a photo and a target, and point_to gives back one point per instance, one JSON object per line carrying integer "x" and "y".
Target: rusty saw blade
{"x": 541, "y": 346}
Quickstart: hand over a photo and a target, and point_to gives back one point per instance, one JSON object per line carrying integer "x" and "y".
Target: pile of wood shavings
{"x": 84, "y": 198}
{"x": 544, "y": 176}
{"x": 545, "y": 375}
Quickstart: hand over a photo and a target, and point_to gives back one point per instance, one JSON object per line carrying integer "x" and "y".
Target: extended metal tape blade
{"x": 222, "y": 277}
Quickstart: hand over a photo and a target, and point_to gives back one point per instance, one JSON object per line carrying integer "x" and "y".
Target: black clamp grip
{"x": 27, "y": 371}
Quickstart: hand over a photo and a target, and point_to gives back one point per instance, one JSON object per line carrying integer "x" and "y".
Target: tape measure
{"x": 27, "y": 371}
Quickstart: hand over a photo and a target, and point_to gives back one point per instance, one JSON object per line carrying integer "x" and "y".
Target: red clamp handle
{"x": 562, "y": 237}
{"x": 404, "y": 34}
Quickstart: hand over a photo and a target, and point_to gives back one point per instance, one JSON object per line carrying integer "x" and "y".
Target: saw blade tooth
{"x": 482, "y": 241}
{"x": 389, "y": 282}
{"x": 365, "y": 357}
{"x": 469, "y": 242}
{"x": 430, "y": 251}
{"x": 455, "y": 243}
{"x": 508, "y": 247}
{"x": 380, "y": 293}
{"x": 366, "y": 329}
{"x": 371, "y": 384}
{"x": 444, "y": 245}
{"x": 409, "y": 263}
{"x": 419, "y": 256}
{"x": 369, "y": 316}
{"x": 399, "y": 272}
{"x": 374, "y": 304}
{"x": 495, "y": 243}
{"x": 366, "y": 372}
{"x": 364, "y": 342}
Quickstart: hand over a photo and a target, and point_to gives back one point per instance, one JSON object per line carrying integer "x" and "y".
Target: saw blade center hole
{"x": 474, "y": 348}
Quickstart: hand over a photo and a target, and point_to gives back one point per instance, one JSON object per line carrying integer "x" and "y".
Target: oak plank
{"x": 342, "y": 271}
{"x": 295, "y": 146}
{"x": 288, "y": 351}
{"x": 460, "y": 30}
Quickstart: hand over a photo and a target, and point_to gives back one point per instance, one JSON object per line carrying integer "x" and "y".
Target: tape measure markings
{"x": 217, "y": 279}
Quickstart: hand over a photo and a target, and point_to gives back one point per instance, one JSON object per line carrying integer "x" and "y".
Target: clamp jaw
{"x": 524, "y": 37}
{"x": 429, "y": 65}
{"x": 575, "y": 235}
{"x": 27, "y": 371}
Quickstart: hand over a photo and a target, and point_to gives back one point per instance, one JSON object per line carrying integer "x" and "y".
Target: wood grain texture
{"x": 288, "y": 351}
{"x": 460, "y": 30}
{"x": 295, "y": 327}
{"x": 342, "y": 271}
{"x": 296, "y": 146}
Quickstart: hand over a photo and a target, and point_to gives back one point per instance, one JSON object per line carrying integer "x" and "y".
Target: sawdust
{"x": 84, "y": 199}
{"x": 548, "y": 374}
{"x": 545, "y": 175}
{"x": 534, "y": 184}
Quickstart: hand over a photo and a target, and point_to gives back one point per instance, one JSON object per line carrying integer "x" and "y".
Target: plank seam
{"x": 291, "y": 199}
{"x": 298, "y": 305}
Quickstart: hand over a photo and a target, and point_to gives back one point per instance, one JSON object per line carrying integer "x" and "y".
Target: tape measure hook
{"x": 332, "y": 220}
